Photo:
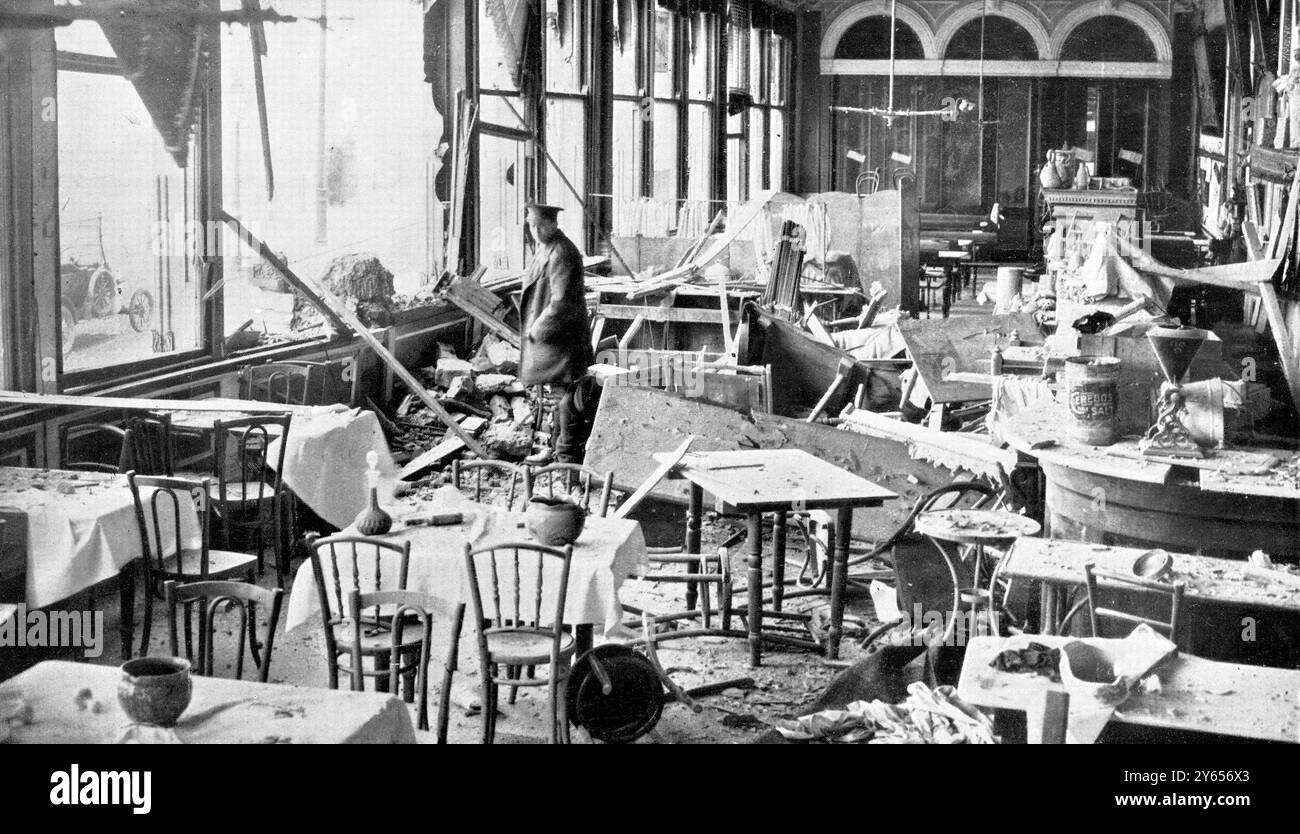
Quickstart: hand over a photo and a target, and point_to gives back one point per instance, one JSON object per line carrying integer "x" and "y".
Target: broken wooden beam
{"x": 335, "y": 310}
{"x": 147, "y": 404}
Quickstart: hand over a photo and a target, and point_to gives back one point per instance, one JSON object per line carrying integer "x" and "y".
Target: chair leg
{"x": 189, "y": 633}
{"x": 126, "y": 619}
{"x": 485, "y": 704}
{"x": 552, "y": 706}
{"x": 513, "y": 672}
{"x": 146, "y": 624}
{"x": 563, "y": 710}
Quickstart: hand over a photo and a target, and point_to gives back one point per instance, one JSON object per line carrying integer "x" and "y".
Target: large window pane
{"x": 737, "y": 173}
{"x": 566, "y": 140}
{"x": 628, "y": 156}
{"x": 703, "y": 62}
{"x": 757, "y": 137}
{"x": 665, "y": 152}
{"x": 627, "y": 49}
{"x": 502, "y": 188}
{"x": 499, "y": 48}
{"x": 353, "y": 149}
{"x": 665, "y": 54}
{"x": 566, "y": 40}
{"x": 129, "y": 238}
{"x": 699, "y": 144}
{"x": 776, "y": 151}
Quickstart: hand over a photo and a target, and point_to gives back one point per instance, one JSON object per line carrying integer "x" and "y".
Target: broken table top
{"x": 1223, "y": 580}
{"x": 756, "y": 480}
{"x": 1256, "y": 702}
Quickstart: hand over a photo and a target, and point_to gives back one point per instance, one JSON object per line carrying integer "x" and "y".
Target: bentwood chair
{"x": 151, "y": 444}
{"x": 518, "y": 631}
{"x": 346, "y": 563}
{"x": 1131, "y": 588}
{"x": 290, "y": 383}
{"x": 157, "y": 503}
{"x": 409, "y": 608}
{"x": 249, "y": 489}
{"x": 571, "y": 477}
{"x": 86, "y": 447}
{"x": 210, "y": 596}
{"x": 491, "y": 478}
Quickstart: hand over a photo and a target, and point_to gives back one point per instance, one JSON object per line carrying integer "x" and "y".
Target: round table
{"x": 977, "y": 528}
{"x": 1108, "y": 495}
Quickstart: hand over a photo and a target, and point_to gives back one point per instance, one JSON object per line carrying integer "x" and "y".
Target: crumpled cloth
{"x": 925, "y": 717}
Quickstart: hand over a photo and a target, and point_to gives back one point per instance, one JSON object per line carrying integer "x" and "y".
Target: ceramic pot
{"x": 373, "y": 520}
{"x": 155, "y": 690}
{"x": 554, "y": 522}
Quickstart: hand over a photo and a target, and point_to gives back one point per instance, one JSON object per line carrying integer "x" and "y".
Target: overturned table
{"x": 777, "y": 481}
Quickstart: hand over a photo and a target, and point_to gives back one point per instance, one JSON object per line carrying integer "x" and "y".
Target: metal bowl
{"x": 1156, "y": 565}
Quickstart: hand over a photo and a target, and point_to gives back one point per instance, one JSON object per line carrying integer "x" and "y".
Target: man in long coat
{"x": 555, "y": 342}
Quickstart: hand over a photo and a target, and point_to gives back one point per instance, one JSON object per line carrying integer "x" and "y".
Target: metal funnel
{"x": 1175, "y": 348}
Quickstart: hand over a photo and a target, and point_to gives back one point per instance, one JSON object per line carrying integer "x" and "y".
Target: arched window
{"x": 868, "y": 39}
{"x": 1108, "y": 38}
{"x": 1004, "y": 40}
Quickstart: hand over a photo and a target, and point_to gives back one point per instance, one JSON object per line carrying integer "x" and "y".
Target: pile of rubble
{"x": 494, "y": 405}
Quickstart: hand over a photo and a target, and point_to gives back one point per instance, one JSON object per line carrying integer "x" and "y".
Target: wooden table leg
{"x": 778, "y": 561}
{"x": 694, "y": 517}
{"x": 839, "y": 576}
{"x": 755, "y": 526}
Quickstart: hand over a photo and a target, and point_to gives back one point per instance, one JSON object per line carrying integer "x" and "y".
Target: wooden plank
{"x": 146, "y": 403}
{"x": 445, "y": 448}
{"x": 468, "y": 294}
{"x": 661, "y": 471}
{"x": 332, "y": 304}
{"x": 679, "y": 315}
{"x": 735, "y": 226}
{"x": 952, "y": 449}
{"x": 309, "y": 289}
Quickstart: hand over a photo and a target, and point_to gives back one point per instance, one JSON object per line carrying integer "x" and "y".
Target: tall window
{"x": 759, "y": 112}
{"x": 352, "y": 133}
{"x": 567, "y": 75}
{"x": 630, "y": 113}
{"x": 504, "y": 169}
{"x": 129, "y": 282}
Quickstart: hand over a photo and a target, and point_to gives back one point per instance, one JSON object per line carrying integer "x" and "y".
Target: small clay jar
{"x": 554, "y": 522}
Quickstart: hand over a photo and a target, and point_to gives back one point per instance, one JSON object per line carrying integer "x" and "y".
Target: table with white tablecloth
{"x": 76, "y": 703}
{"x": 324, "y": 456}
{"x": 608, "y": 551}
{"x": 79, "y": 528}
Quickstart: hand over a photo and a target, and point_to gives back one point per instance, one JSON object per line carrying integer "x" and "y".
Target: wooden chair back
{"x": 463, "y": 471}
{"x": 80, "y": 441}
{"x": 290, "y": 383}
{"x": 152, "y": 449}
{"x": 361, "y": 559}
{"x": 408, "y": 609}
{"x": 248, "y": 441}
{"x": 570, "y": 475}
{"x": 507, "y": 573}
{"x": 240, "y": 596}
{"x": 162, "y": 503}
{"x": 1099, "y": 579}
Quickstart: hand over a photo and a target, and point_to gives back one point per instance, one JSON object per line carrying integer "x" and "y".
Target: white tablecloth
{"x": 83, "y": 535}
{"x": 325, "y": 461}
{"x": 221, "y": 711}
{"x": 608, "y": 551}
